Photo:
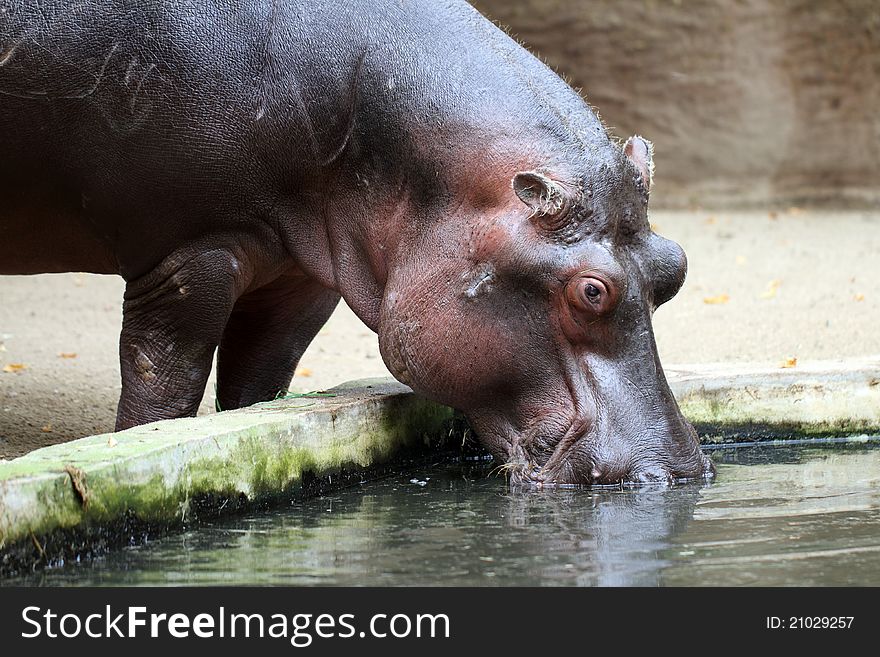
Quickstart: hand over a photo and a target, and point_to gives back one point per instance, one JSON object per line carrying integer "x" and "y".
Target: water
{"x": 796, "y": 515}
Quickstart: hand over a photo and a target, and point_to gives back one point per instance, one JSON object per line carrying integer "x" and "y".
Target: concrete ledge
{"x": 80, "y": 498}
{"x": 754, "y": 402}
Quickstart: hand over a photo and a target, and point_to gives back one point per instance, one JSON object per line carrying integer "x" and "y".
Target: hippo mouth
{"x": 529, "y": 475}
{"x": 587, "y": 456}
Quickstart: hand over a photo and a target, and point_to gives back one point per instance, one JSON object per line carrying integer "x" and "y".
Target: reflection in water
{"x": 774, "y": 517}
{"x": 604, "y": 538}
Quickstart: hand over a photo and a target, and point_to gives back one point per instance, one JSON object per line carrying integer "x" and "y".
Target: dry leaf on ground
{"x": 788, "y": 362}
{"x": 771, "y": 288}
{"x": 14, "y": 368}
{"x": 716, "y": 300}
{"x": 302, "y": 371}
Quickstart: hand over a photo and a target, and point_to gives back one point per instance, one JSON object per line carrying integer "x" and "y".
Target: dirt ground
{"x": 763, "y": 287}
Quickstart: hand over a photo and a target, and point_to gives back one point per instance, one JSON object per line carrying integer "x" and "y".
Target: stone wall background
{"x": 748, "y": 102}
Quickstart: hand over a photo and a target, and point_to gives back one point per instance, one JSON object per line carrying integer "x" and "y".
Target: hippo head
{"x": 528, "y": 307}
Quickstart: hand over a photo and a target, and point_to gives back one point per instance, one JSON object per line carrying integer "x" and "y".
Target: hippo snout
{"x": 622, "y": 461}
{"x": 640, "y": 475}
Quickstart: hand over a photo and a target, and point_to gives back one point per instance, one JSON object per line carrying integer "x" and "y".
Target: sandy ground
{"x": 762, "y": 287}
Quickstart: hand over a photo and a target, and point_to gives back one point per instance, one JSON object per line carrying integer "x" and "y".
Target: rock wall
{"x": 748, "y": 103}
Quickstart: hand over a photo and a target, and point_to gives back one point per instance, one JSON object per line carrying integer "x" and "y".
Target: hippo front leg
{"x": 266, "y": 335}
{"x": 173, "y": 319}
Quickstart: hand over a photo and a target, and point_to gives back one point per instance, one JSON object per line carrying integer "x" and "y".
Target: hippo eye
{"x": 594, "y": 290}
{"x": 591, "y": 294}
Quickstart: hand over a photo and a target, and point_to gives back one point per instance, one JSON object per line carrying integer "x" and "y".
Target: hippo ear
{"x": 547, "y": 199}
{"x": 640, "y": 152}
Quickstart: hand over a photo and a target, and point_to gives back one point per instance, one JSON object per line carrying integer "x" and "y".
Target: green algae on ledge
{"x": 151, "y": 478}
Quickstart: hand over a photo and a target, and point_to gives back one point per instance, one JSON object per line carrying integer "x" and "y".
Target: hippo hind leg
{"x": 173, "y": 319}
{"x": 267, "y": 333}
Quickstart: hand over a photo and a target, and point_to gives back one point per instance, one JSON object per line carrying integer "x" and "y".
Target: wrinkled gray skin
{"x": 242, "y": 165}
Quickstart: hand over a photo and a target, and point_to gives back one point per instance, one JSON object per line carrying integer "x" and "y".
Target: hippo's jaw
{"x": 599, "y": 428}
{"x": 650, "y": 468}
{"x": 588, "y": 458}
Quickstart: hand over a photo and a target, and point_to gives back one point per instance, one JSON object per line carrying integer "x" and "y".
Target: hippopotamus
{"x": 244, "y": 165}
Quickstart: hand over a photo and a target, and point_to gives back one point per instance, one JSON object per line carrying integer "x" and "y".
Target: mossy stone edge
{"x": 71, "y": 500}
{"x": 742, "y": 403}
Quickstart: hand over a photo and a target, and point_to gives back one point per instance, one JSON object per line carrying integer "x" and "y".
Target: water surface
{"x": 797, "y": 515}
